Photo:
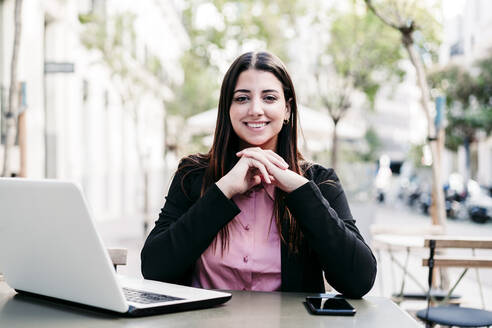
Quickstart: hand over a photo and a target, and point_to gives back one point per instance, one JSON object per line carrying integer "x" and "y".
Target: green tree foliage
{"x": 114, "y": 38}
{"x": 360, "y": 56}
{"x": 373, "y": 146}
{"x": 221, "y": 30}
{"x": 364, "y": 52}
{"x": 484, "y": 83}
{"x": 415, "y": 17}
{"x": 110, "y": 38}
{"x": 468, "y": 99}
{"x": 415, "y": 154}
{"x": 199, "y": 90}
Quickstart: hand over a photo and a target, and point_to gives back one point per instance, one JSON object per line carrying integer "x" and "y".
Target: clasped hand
{"x": 256, "y": 165}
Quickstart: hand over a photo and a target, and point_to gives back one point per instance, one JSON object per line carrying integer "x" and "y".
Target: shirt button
{"x": 245, "y": 259}
{"x": 246, "y": 227}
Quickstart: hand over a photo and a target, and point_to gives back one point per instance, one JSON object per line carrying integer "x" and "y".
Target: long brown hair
{"x": 222, "y": 156}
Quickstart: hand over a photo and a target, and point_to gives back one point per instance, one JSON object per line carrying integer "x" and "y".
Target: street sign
{"x": 440, "y": 103}
{"x": 56, "y": 67}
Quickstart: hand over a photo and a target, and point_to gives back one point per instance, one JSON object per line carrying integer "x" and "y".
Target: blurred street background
{"x": 395, "y": 95}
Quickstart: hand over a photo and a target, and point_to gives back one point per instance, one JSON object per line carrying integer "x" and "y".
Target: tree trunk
{"x": 11, "y": 116}
{"x": 334, "y": 146}
{"x": 467, "y": 176}
{"x": 22, "y": 144}
{"x": 439, "y": 217}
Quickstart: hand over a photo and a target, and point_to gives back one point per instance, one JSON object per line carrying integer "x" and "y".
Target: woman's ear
{"x": 287, "y": 109}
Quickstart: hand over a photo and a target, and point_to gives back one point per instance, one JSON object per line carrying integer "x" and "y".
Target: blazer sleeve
{"x": 322, "y": 210}
{"x": 184, "y": 230}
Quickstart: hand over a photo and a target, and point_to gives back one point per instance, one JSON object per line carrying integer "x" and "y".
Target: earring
{"x": 286, "y": 121}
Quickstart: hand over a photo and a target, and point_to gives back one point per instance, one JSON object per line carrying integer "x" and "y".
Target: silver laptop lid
{"x": 49, "y": 245}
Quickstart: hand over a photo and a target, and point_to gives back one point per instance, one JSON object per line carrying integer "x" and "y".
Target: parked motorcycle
{"x": 478, "y": 203}
{"x": 453, "y": 206}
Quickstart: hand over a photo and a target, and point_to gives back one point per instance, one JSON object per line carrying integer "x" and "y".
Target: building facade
{"x": 85, "y": 120}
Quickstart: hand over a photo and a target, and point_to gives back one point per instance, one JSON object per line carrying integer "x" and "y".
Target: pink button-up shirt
{"x": 252, "y": 261}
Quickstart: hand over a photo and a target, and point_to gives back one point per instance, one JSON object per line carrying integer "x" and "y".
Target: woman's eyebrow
{"x": 242, "y": 90}
{"x": 270, "y": 90}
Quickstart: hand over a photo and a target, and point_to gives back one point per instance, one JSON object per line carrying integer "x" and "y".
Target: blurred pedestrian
{"x": 251, "y": 213}
{"x": 382, "y": 181}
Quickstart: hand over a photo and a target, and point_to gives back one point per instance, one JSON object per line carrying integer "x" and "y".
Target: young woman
{"x": 251, "y": 214}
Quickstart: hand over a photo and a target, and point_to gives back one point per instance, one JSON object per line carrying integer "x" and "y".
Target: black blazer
{"x": 332, "y": 243}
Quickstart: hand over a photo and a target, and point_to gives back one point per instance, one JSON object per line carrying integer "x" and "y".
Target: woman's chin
{"x": 262, "y": 143}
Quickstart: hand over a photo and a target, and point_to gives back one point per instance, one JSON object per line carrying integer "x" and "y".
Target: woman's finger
{"x": 273, "y": 158}
{"x": 277, "y": 156}
{"x": 269, "y": 154}
{"x": 277, "y": 160}
{"x": 262, "y": 157}
{"x": 262, "y": 169}
{"x": 256, "y": 179}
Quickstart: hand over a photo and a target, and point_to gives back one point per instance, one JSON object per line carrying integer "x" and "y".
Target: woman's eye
{"x": 241, "y": 99}
{"x": 270, "y": 98}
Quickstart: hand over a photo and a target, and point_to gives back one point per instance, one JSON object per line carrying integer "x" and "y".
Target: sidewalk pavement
{"x": 128, "y": 233}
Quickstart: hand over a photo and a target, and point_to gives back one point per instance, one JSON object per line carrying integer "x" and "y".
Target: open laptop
{"x": 49, "y": 247}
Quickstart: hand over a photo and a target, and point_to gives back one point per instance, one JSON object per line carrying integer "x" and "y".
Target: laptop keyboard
{"x": 138, "y": 296}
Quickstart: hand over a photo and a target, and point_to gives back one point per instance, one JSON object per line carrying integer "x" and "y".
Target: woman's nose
{"x": 255, "y": 107}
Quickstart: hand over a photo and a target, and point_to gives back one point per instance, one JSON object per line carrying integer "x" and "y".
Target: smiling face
{"x": 258, "y": 109}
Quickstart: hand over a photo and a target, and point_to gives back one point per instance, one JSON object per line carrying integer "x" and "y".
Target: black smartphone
{"x": 329, "y": 305}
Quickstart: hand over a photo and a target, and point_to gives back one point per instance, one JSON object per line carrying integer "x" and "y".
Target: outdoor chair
{"x": 453, "y": 315}
{"x": 408, "y": 241}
